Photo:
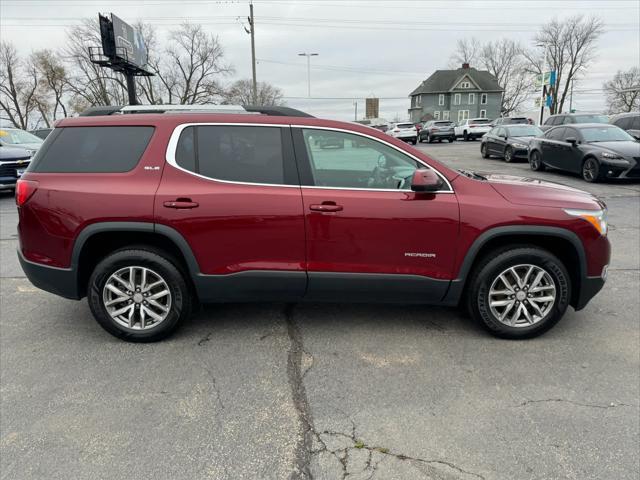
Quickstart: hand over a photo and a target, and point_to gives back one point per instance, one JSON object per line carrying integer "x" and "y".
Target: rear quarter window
{"x": 112, "y": 149}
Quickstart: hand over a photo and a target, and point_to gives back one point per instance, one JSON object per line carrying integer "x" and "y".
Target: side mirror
{"x": 426, "y": 180}
{"x": 572, "y": 140}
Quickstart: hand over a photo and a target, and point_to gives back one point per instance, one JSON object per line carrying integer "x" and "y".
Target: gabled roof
{"x": 442, "y": 81}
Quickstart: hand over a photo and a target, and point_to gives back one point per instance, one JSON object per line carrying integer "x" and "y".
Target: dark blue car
{"x": 13, "y": 162}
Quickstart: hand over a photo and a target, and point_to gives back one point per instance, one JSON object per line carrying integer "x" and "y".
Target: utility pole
{"x": 542, "y": 90}
{"x": 252, "y": 32}
{"x": 571, "y": 97}
{"x": 308, "y": 55}
{"x": 355, "y": 116}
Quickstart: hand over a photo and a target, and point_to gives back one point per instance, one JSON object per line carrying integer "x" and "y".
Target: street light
{"x": 308, "y": 55}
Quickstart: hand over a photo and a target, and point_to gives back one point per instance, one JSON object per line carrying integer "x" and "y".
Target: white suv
{"x": 404, "y": 131}
{"x": 473, "y": 128}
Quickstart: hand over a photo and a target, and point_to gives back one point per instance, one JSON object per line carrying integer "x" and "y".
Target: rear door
{"x": 232, "y": 191}
{"x": 369, "y": 237}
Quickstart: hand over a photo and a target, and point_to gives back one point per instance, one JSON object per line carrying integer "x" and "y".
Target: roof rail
{"x": 247, "y": 109}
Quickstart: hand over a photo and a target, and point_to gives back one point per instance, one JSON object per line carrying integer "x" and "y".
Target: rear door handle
{"x": 326, "y": 207}
{"x": 181, "y": 203}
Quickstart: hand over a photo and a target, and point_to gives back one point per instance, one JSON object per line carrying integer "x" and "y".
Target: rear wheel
{"x": 465, "y": 136}
{"x": 508, "y": 154}
{"x": 591, "y": 170}
{"x": 452, "y": 139}
{"x": 535, "y": 161}
{"x": 519, "y": 293}
{"x": 138, "y": 295}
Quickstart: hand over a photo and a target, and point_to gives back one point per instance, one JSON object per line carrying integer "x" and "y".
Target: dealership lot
{"x": 356, "y": 391}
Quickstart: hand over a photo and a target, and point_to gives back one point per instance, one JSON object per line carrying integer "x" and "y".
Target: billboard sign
{"x": 129, "y": 44}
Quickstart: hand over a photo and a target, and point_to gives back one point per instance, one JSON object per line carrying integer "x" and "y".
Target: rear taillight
{"x": 24, "y": 190}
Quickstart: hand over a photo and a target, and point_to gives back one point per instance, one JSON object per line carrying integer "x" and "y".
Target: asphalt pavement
{"x": 326, "y": 391}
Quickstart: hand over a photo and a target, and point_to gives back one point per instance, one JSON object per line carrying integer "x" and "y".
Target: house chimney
{"x": 465, "y": 66}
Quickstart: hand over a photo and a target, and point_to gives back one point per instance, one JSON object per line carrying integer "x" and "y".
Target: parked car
{"x": 13, "y": 163}
{"x": 572, "y": 118}
{"x": 437, "y": 130}
{"x": 472, "y": 128}
{"x": 404, "y": 131}
{"x": 15, "y": 137}
{"x": 509, "y": 141}
{"x": 230, "y": 207}
{"x": 510, "y": 121}
{"x": 41, "y": 132}
{"x": 596, "y": 151}
{"x": 629, "y": 122}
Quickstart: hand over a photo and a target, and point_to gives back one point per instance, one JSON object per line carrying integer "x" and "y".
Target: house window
{"x": 483, "y": 114}
{"x": 483, "y": 99}
{"x": 472, "y": 98}
{"x": 445, "y": 115}
{"x": 463, "y": 115}
{"x": 418, "y": 100}
{"x": 457, "y": 98}
{"x": 441, "y": 99}
{"x": 465, "y": 85}
{"x": 436, "y": 115}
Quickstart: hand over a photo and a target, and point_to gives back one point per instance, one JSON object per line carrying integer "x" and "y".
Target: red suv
{"x": 149, "y": 214}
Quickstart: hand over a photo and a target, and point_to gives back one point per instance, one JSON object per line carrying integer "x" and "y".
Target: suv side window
{"x": 346, "y": 160}
{"x": 568, "y": 119}
{"x": 112, "y": 149}
{"x": 550, "y": 121}
{"x": 247, "y": 154}
{"x": 624, "y": 123}
{"x": 570, "y": 132}
{"x": 635, "y": 124}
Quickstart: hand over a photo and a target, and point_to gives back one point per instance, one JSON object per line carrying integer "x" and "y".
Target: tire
{"x": 413, "y": 141}
{"x": 508, "y": 154}
{"x": 452, "y": 139}
{"x": 176, "y": 305}
{"x": 591, "y": 170}
{"x": 483, "y": 150}
{"x": 429, "y": 139}
{"x": 419, "y": 139}
{"x": 554, "y": 296}
{"x": 535, "y": 161}
{"x": 465, "y": 136}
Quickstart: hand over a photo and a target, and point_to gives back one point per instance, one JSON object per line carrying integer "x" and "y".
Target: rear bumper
{"x": 60, "y": 281}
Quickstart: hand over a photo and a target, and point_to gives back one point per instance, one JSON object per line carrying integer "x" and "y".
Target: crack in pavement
{"x": 304, "y": 447}
{"x": 589, "y": 405}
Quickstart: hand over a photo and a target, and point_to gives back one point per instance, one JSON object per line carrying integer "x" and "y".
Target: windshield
{"x": 591, "y": 119}
{"x": 605, "y": 134}
{"x": 480, "y": 120}
{"x": 404, "y": 125}
{"x": 17, "y": 137}
{"x": 524, "y": 131}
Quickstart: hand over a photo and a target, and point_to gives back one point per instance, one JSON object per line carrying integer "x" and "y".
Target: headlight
{"x": 519, "y": 145}
{"x": 612, "y": 156}
{"x": 597, "y": 218}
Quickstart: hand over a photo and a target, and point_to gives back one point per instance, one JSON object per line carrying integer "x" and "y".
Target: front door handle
{"x": 326, "y": 207}
{"x": 181, "y": 203}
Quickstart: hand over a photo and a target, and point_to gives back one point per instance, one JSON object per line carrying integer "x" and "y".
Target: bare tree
{"x": 18, "y": 87}
{"x": 570, "y": 45}
{"x": 90, "y": 84}
{"x": 623, "y": 91}
{"x": 241, "y": 93}
{"x": 467, "y": 51}
{"x": 191, "y": 66}
{"x": 53, "y": 84}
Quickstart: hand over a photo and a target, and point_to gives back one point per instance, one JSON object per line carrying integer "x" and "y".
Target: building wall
{"x": 428, "y": 103}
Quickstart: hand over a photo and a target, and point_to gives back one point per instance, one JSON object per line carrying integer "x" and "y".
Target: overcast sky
{"x": 383, "y": 48}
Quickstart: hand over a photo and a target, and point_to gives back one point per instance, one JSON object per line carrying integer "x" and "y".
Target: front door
{"x": 233, "y": 193}
{"x": 369, "y": 237}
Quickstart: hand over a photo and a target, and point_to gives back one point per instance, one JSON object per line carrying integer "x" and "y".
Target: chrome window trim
{"x": 170, "y": 156}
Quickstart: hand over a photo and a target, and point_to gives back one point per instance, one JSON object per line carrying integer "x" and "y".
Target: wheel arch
{"x": 99, "y": 239}
{"x": 561, "y": 242}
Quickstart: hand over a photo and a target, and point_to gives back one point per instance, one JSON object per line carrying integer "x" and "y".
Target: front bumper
{"x": 60, "y": 281}
{"x": 589, "y": 287}
{"x": 616, "y": 170}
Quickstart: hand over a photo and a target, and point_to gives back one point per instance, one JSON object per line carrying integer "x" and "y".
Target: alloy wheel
{"x": 590, "y": 170}
{"x": 508, "y": 154}
{"x": 137, "y": 298}
{"x": 522, "y": 295}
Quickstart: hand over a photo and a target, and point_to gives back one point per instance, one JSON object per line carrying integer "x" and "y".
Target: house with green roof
{"x": 456, "y": 95}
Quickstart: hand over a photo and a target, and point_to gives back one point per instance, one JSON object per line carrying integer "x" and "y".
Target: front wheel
{"x": 519, "y": 293}
{"x": 483, "y": 150}
{"x": 508, "y": 154}
{"x": 535, "y": 161}
{"x": 138, "y": 295}
{"x": 591, "y": 170}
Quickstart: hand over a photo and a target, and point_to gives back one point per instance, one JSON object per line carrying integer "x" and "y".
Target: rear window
{"x": 479, "y": 120}
{"x": 113, "y": 149}
{"x": 443, "y": 124}
{"x": 405, "y": 125}
{"x": 516, "y": 120}
{"x": 591, "y": 119}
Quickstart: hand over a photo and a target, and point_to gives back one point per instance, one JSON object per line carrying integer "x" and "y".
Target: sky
{"x": 382, "y": 48}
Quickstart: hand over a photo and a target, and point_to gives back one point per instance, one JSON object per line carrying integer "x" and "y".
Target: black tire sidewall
{"x": 489, "y": 270}
{"x": 180, "y": 294}
{"x": 536, "y": 167}
{"x": 597, "y": 175}
{"x": 508, "y": 158}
